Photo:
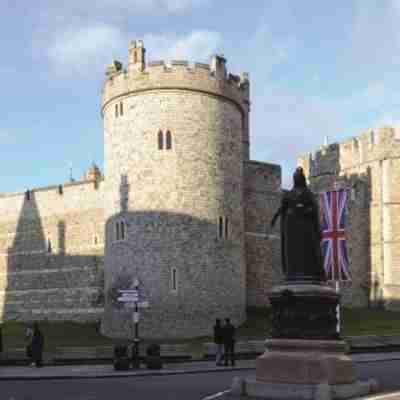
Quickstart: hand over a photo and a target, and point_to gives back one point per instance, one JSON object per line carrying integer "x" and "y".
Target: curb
{"x": 122, "y": 375}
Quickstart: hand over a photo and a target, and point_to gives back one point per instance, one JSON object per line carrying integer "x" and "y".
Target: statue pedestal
{"x": 305, "y": 359}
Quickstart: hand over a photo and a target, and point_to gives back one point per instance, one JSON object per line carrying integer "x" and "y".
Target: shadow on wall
{"x": 43, "y": 282}
{"x": 189, "y": 271}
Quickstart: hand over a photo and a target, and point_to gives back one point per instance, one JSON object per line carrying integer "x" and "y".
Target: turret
{"x": 137, "y": 60}
{"x": 218, "y": 66}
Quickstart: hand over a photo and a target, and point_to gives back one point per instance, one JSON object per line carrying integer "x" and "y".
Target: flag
{"x": 333, "y": 243}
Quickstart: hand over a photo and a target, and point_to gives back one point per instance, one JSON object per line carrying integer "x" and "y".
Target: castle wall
{"x": 262, "y": 183}
{"x": 62, "y": 279}
{"x": 370, "y": 167}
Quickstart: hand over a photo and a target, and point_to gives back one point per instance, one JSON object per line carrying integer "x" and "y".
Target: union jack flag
{"x": 333, "y": 243}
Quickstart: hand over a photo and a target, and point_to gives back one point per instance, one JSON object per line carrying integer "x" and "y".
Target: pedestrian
{"x": 28, "y": 338}
{"x": 37, "y": 345}
{"x": 1, "y": 341}
{"x": 219, "y": 341}
{"x": 229, "y": 342}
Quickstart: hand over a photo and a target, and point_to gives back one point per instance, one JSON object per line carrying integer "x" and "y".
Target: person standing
{"x": 219, "y": 341}
{"x": 229, "y": 341}
{"x": 1, "y": 341}
{"x": 37, "y": 345}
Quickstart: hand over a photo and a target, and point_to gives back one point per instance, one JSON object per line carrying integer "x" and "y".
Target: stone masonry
{"x": 369, "y": 167}
{"x": 181, "y": 207}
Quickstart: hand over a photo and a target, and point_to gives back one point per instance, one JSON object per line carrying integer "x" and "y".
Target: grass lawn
{"x": 355, "y": 322}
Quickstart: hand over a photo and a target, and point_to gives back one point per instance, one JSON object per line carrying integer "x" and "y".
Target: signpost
{"x": 130, "y": 297}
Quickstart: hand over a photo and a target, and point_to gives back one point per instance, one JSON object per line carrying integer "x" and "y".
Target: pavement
{"x": 14, "y": 373}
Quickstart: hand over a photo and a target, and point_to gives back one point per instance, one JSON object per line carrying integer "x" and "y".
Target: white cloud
{"x": 85, "y": 50}
{"x": 196, "y": 46}
{"x": 94, "y": 10}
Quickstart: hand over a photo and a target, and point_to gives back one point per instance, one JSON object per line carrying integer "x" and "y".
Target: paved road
{"x": 186, "y": 387}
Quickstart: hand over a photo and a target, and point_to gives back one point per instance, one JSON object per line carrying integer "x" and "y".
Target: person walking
{"x": 37, "y": 345}
{"x": 219, "y": 341}
{"x": 229, "y": 342}
{"x": 28, "y": 338}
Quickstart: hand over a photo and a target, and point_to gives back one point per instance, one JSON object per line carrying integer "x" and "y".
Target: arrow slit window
{"x": 120, "y": 230}
{"x": 174, "y": 279}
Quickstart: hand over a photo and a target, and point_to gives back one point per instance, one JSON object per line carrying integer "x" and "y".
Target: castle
{"x": 369, "y": 168}
{"x": 180, "y": 207}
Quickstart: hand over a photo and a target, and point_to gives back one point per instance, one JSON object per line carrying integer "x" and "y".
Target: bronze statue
{"x": 300, "y": 232}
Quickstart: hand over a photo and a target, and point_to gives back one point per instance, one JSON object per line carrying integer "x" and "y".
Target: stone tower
{"x": 175, "y": 139}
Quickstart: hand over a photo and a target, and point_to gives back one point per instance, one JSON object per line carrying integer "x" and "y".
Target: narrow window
{"x": 60, "y": 190}
{"x": 122, "y": 230}
{"x": 220, "y": 227}
{"x": 160, "y": 140}
{"x": 49, "y": 246}
{"x": 95, "y": 240}
{"x": 121, "y": 108}
{"x": 135, "y": 57}
{"x": 174, "y": 279}
{"x": 116, "y": 110}
{"x": 168, "y": 140}
{"x": 226, "y": 228}
{"x": 28, "y": 195}
{"x": 117, "y": 232}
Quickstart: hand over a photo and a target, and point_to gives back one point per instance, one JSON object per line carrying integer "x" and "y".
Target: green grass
{"x": 355, "y": 322}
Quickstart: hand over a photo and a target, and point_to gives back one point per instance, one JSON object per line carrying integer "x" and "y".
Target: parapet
{"x": 210, "y": 78}
{"x": 372, "y": 145}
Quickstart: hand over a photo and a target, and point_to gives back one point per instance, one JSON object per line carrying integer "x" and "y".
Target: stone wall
{"x": 369, "y": 166}
{"x": 171, "y": 201}
{"x": 262, "y": 185}
{"x": 51, "y": 253}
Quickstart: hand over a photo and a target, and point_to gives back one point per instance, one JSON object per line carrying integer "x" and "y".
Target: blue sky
{"x": 316, "y": 69}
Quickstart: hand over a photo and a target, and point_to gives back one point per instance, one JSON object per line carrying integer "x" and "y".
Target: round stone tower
{"x": 175, "y": 140}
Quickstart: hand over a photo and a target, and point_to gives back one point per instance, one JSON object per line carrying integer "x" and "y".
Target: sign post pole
{"x": 338, "y": 308}
{"x": 136, "y": 360}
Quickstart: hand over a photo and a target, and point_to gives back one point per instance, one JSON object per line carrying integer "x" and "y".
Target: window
{"x": 226, "y": 228}
{"x": 160, "y": 140}
{"x": 116, "y": 110}
{"x": 48, "y": 246}
{"x": 121, "y": 108}
{"x": 174, "y": 279}
{"x": 220, "y": 227}
{"x": 95, "y": 240}
{"x": 168, "y": 140}
{"x": 60, "y": 190}
{"x": 120, "y": 230}
{"x": 122, "y": 223}
{"x": 117, "y": 231}
{"x": 28, "y": 195}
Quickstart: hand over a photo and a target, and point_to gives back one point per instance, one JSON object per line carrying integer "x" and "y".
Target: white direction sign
{"x": 141, "y": 304}
{"x": 128, "y": 299}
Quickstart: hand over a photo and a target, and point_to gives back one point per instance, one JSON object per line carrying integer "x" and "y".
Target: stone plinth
{"x": 304, "y": 311}
{"x": 305, "y": 362}
{"x": 304, "y": 369}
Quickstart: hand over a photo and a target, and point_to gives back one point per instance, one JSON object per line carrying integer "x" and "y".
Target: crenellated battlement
{"x": 372, "y": 145}
{"x": 210, "y": 78}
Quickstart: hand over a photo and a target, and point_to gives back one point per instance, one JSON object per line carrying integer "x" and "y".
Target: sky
{"x": 317, "y": 69}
